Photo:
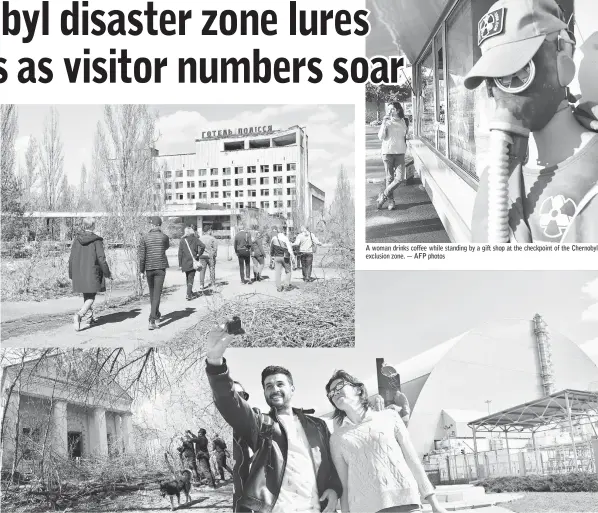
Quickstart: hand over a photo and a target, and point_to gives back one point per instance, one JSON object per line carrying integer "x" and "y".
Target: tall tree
{"x": 67, "y": 196}
{"x": 341, "y": 223}
{"x": 11, "y": 190}
{"x": 31, "y": 174}
{"x": 124, "y": 155}
{"x": 51, "y": 161}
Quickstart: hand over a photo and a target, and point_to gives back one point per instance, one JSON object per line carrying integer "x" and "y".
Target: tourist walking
{"x": 257, "y": 254}
{"x": 242, "y": 247}
{"x": 393, "y": 134}
{"x": 281, "y": 253}
{"x": 208, "y": 258}
{"x": 373, "y": 454}
{"x": 190, "y": 251}
{"x": 307, "y": 243}
{"x": 153, "y": 264}
{"x": 88, "y": 269}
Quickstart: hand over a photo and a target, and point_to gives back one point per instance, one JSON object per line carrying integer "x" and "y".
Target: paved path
{"x": 49, "y": 324}
{"x": 414, "y": 218}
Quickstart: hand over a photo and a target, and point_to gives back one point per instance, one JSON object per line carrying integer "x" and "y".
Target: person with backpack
{"x": 281, "y": 252}
{"x": 242, "y": 247}
{"x": 190, "y": 251}
{"x": 258, "y": 255}
{"x": 208, "y": 258}
{"x": 291, "y": 469}
{"x": 88, "y": 269}
{"x": 307, "y": 243}
{"x": 219, "y": 447}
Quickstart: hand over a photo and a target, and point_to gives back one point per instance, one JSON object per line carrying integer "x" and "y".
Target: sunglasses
{"x": 244, "y": 395}
{"x": 336, "y": 389}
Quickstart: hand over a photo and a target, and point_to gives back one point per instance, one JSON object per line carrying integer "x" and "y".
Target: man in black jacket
{"x": 153, "y": 263}
{"x": 292, "y": 467}
{"x": 243, "y": 251}
{"x": 202, "y": 453}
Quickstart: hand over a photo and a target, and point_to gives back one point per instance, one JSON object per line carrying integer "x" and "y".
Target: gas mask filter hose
{"x": 498, "y": 187}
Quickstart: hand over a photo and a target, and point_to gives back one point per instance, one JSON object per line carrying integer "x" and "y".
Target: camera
{"x": 234, "y": 327}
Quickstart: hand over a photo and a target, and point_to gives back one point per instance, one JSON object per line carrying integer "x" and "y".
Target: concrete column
{"x": 199, "y": 223}
{"x": 11, "y": 409}
{"x": 127, "y": 432}
{"x": 522, "y": 470}
{"x": 59, "y": 428}
{"x": 99, "y": 436}
{"x": 595, "y": 451}
{"x": 118, "y": 433}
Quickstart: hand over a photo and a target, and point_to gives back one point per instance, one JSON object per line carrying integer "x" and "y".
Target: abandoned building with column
{"x": 514, "y": 395}
{"x": 43, "y": 404}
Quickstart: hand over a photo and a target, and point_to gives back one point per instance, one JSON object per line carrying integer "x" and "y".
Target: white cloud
{"x": 591, "y": 289}
{"x": 590, "y": 314}
{"x": 323, "y": 115}
{"x": 349, "y": 130}
{"x": 319, "y": 154}
{"x": 591, "y": 349}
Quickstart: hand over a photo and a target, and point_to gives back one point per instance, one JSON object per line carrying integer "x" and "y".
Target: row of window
{"x": 252, "y": 193}
{"x": 451, "y": 118}
{"x": 238, "y": 204}
{"x": 226, "y": 171}
{"x": 227, "y": 182}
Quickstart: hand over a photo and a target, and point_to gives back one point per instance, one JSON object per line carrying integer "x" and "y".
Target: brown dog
{"x": 176, "y": 486}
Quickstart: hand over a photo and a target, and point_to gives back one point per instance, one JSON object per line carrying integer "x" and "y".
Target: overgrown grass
{"x": 322, "y": 314}
{"x": 571, "y": 482}
{"x": 559, "y": 502}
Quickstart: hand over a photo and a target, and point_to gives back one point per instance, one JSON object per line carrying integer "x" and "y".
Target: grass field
{"x": 556, "y": 502}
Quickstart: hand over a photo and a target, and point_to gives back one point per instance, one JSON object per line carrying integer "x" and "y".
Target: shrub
{"x": 572, "y": 482}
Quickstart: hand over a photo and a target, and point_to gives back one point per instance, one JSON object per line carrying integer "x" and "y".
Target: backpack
{"x": 245, "y": 249}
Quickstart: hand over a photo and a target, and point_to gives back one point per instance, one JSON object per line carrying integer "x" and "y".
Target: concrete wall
{"x": 498, "y": 362}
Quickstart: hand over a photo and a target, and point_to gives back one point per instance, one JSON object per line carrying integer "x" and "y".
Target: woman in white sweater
{"x": 393, "y": 134}
{"x": 373, "y": 454}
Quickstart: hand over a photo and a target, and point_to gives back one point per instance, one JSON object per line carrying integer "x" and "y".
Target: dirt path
{"x": 123, "y": 322}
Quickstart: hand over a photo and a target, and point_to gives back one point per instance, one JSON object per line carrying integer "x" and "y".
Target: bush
{"x": 572, "y": 482}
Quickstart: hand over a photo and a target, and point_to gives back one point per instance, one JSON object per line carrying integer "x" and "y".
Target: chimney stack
{"x": 545, "y": 354}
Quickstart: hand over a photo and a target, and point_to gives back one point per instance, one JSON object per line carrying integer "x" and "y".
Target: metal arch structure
{"x": 564, "y": 408}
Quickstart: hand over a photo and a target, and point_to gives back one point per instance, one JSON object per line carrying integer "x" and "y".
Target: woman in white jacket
{"x": 373, "y": 454}
{"x": 393, "y": 134}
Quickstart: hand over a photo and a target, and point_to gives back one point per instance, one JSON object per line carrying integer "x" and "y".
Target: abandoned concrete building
{"x": 64, "y": 410}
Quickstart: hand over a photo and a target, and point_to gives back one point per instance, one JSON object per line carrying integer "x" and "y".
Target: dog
{"x": 176, "y": 486}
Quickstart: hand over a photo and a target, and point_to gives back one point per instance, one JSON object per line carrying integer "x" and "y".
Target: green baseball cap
{"x": 510, "y": 34}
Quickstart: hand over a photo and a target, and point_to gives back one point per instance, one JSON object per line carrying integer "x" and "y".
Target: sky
{"x": 330, "y": 129}
{"x": 401, "y": 314}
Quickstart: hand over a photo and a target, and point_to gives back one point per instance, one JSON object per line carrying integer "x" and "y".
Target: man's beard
{"x": 278, "y": 405}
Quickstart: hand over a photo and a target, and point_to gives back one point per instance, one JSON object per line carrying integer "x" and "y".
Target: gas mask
{"x": 525, "y": 102}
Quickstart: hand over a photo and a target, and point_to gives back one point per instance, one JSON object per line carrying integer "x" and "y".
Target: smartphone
{"x": 234, "y": 327}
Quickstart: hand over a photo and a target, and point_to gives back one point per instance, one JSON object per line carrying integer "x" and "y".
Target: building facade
{"x": 45, "y": 405}
{"x": 252, "y": 168}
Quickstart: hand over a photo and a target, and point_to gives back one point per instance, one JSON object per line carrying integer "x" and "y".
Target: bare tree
{"x": 341, "y": 216}
{"x": 31, "y": 174}
{"x": 66, "y": 195}
{"x": 124, "y": 157}
{"x": 12, "y": 208}
{"x": 51, "y": 161}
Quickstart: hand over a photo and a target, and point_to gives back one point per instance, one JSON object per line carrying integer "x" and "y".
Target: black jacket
{"x": 87, "y": 264}
{"x": 269, "y": 445}
{"x": 243, "y": 243}
{"x": 152, "y": 251}
{"x": 185, "y": 258}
